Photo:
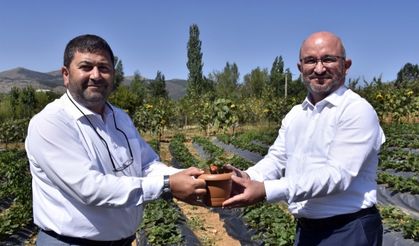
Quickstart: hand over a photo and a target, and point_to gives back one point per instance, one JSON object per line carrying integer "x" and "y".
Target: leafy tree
{"x": 226, "y": 82}
{"x": 296, "y": 88}
{"x": 124, "y": 98}
{"x": 197, "y": 84}
{"x": 119, "y": 72}
{"x": 154, "y": 117}
{"x": 255, "y": 82}
{"x": 409, "y": 74}
{"x": 157, "y": 87}
{"x": 138, "y": 87}
{"x": 277, "y": 77}
{"x": 14, "y": 101}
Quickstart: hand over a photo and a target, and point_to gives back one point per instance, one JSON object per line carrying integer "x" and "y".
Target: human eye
{"x": 85, "y": 67}
{"x": 329, "y": 59}
{"x": 309, "y": 60}
{"x": 104, "y": 68}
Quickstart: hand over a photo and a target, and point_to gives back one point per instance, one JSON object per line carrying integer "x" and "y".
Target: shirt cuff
{"x": 152, "y": 187}
{"x": 276, "y": 190}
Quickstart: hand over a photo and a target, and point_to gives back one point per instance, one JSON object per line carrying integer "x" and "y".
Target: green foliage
{"x": 15, "y": 184}
{"x": 13, "y": 131}
{"x": 226, "y": 82}
{"x": 154, "y": 116}
{"x": 126, "y": 99}
{"x": 255, "y": 83}
{"x": 157, "y": 87}
{"x": 160, "y": 223}
{"x": 277, "y": 77}
{"x": 224, "y": 114}
{"x": 396, "y": 219}
{"x": 271, "y": 230}
{"x": 395, "y": 101}
{"x": 197, "y": 84}
{"x": 181, "y": 154}
{"x": 409, "y": 74}
{"x": 119, "y": 73}
{"x": 398, "y": 183}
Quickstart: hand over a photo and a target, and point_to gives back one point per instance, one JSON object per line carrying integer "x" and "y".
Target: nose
{"x": 95, "y": 73}
{"x": 319, "y": 68}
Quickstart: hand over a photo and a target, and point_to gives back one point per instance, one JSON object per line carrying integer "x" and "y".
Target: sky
{"x": 149, "y": 36}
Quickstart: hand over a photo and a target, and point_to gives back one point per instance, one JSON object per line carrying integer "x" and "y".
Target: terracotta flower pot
{"x": 218, "y": 188}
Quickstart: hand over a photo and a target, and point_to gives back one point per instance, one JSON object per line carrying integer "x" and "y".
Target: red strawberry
{"x": 213, "y": 168}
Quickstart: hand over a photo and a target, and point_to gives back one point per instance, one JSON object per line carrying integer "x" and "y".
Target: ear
{"x": 347, "y": 65}
{"x": 65, "y": 73}
{"x": 299, "y": 67}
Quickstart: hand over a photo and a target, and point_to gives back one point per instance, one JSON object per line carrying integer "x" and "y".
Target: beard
{"x": 90, "y": 94}
{"x": 321, "y": 86}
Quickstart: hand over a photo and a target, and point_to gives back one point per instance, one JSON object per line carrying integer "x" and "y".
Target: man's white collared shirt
{"x": 324, "y": 160}
{"x": 75, "y": 189}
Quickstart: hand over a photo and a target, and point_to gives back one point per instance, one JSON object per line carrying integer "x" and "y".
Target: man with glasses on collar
{"x": 324, "y": 160}
{"x": 91, "y": 170}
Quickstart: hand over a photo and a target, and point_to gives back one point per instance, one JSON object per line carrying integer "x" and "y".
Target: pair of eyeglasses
{"x": 126, "y": 163}
{"x": 327, "y": 61}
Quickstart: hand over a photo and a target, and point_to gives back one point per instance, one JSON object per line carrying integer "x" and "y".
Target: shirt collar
{"x": 335, "y": 98}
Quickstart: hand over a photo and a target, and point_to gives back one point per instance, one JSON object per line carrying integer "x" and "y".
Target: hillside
{"x": 22, "y": 77}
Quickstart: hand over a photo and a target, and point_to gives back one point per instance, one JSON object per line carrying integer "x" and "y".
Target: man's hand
{"x": 236, "y": 188}
{"x": 186, "y": 187}
{"x": 253, "y": 192}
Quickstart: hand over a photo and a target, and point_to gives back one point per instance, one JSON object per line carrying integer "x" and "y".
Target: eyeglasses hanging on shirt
{"x": 125, "y": 164}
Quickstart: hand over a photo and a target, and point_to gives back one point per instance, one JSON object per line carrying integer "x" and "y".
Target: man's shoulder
{"x": 51, "y": 112}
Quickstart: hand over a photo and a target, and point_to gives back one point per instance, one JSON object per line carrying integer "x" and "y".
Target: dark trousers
{"x": 366, "y": 230}
{"x": 48, "y": 238}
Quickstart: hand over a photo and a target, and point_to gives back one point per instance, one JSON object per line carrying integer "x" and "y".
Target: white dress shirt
{"x": 324, "y": 160}
{"x": 75, "y": 189}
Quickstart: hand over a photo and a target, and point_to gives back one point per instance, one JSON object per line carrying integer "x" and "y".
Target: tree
{"x": 119, "y": 73}
{"x": 138, "y": 87}
{"x": 157, "y": 87}
{"x": 255, "y": 82}
{"x": 196, "y": 81}
{"x": 277, "y": 77}
{"x": 226, "y": 82}
{"x": 407, "y": 75}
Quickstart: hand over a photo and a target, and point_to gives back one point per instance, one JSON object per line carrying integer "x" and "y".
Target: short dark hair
{"x": 86, "y": 43}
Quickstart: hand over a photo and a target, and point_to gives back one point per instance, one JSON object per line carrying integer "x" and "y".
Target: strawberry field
{"x": 237, "y": 125}
{"x": 262, "y": 224}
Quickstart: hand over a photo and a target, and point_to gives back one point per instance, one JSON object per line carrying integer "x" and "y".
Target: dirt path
{"x": 206, "y": 225}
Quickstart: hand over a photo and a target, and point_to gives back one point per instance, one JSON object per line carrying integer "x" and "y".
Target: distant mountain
{"x": 22, "y": 77}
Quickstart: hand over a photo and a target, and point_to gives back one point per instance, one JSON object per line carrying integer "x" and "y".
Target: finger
{"x": 201, "y": 192}
{"x": 193, "y": 171}
{"x": 234, "y": 201}
{"x": 239, "y": 180}
{"x": 199, "y": 183}
{"x": 232, "y": 168}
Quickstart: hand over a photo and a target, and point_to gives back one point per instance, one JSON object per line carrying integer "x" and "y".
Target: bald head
{"x": 323, "y": 64}
{"x": 323, "y": 39}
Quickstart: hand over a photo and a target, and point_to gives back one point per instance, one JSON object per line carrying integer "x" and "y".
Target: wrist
{"x": 166, "y": 190}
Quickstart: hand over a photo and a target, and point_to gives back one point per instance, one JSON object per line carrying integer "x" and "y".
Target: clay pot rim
{"x": 217, "y": 176}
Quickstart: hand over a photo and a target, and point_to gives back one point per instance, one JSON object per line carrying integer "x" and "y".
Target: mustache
{"x": 320, "y": 77}
{"x": 100, "y": 82}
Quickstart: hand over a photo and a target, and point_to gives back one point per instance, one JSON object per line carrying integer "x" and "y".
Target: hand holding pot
{"x": 186, "y": 187}
{"x": 252, "y": 192}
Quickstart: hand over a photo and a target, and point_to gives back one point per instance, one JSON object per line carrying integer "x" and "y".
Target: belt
{"x": 83, "y": 241}
{"x": 334, "y": 221}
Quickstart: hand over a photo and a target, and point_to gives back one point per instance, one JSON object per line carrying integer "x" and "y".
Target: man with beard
{"x": 324, "y": 160}
{"x": 92, "y": 172}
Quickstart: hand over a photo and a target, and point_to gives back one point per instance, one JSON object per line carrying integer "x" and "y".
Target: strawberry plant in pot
{"x": 218, "y": 180}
